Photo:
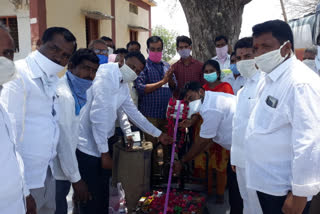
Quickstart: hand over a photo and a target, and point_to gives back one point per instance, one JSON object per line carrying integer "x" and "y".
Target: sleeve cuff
{"x": 26, "y": 191}
{"x": 75, "y": 177}
{"x": 156, "y": 133}
{"x": 306, "y": 190}
{"x": 103, "y": 148}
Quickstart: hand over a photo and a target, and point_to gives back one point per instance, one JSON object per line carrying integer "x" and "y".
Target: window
{"x": 12, "y": 23}
{"x": 133, "y": 8}
{"x": 133, "y": 35}
{"x": 92, "y": 29}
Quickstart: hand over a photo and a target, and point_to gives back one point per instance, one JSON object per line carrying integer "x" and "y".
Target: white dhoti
{"x": 251, "y": 204}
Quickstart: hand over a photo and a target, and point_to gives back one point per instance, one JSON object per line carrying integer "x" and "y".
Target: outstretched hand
{"x": 165, "y": 139}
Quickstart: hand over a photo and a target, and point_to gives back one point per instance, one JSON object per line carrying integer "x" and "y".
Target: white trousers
{"x": 251, "y": 204}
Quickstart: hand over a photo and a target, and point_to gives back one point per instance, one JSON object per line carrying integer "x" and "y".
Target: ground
{"x": 212, "y": 207}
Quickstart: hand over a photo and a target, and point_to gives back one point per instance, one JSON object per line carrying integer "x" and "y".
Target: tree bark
{"x": 210, "y": 18}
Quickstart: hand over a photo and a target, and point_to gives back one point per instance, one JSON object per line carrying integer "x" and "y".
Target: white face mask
{"x": 247, "y": 68}
{"x": 128, "y": 75}
{"x": 7, "y": 70}
{"x": 110, "y": 50}
{"x": 194, "y": 107}
{"x": 269, "y": 61}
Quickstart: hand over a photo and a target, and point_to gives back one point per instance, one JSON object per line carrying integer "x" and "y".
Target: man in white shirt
{"x": 221, "y": 43}
{"x": 32, "y": 105}
{"x": 309, "y": 56}
{"x": 108, "y": 94}
{"x": 71, "y": 90}
{"x": 282, "y": 138}
{"x": 235, "y": 79}
{"x": 216, "y": 110}
{"x": 13, "y": 189}
{"x": 246, "y": 99}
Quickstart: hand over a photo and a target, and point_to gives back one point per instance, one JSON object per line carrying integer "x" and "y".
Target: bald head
{"x": 6, "y": 43}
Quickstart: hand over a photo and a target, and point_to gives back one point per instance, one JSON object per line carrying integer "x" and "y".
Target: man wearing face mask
{"x": 221, "y": 43}
{"x": 282, "y": 137}
{"x": 13, "y": 191}
{"x": 31, "y": 101}
{"x": 108, "y": 94}
{"x": 246, "y": 99}
{"x": 155, "y": 85}
{"x": 216, "y": 110}
{"x": 109, "y": 43}
{"x": 101, "y": 49}
{"x": 187, "y": 68}
{"x": 235, "y": 79}
{"x": 71, "y": 90}
{"x": 309, "y": 56}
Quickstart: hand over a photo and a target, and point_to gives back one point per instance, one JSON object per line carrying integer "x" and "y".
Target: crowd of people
{"x": 254, "y": 110}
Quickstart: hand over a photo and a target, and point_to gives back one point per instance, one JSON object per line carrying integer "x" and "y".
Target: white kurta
{"x": 246, "y": 100}
{"x": 11, "y": 176}
{"x": 107, "y": 95}
{"x": 282, "y": 139}
{"x": 217, "y": 111}
{"x": 34, "y": 114}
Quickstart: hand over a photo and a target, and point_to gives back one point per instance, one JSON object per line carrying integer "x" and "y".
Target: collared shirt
{"x": 65, "y": 164}
{"x": 187, "y": 73}
{"x": 11, "y": 177}
{"x": 246, "y": 100}
{"x": 153, "y": 104}
{"x": 225, "y": 64}
{"x": 236, "y": 83}
{"x": 282, "y": 139}
{"x": 107, "y": 95}
{"x": 34, "y": 115}
{"x": 217, "y": 112}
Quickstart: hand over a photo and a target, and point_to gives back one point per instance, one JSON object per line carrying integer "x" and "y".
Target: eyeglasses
{"x": 100, "y": 51}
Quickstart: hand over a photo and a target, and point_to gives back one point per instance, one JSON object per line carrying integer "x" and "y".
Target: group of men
{"x": 62, "y": 128}
{"x": 274, "y": 140}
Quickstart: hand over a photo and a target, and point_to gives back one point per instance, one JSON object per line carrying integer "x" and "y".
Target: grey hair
{"x": 97, "y": 41}
{"x": 312, "y": 49}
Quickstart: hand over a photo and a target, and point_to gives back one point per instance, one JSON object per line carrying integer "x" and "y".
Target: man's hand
{"x": 294, "y": 204}
{"x": 186, "y": 123}
{"x": 233, "y": 167}
{"x": 167, "y": 76}
{"x": 165, "y": 139}
{"x": 81, "y": 193}
{"x": 106, "y": 161}
{"x": 177, "y": 168}
{"x": 31, "y": 205}
{"x": 189, "y": 122}
{"x": 130, "y": 142}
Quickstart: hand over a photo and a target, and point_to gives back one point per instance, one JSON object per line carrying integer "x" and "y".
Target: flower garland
{"x": 170, "y": 117}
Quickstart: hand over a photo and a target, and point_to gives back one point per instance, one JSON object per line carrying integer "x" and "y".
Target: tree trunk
{"x": 210, "y": 18}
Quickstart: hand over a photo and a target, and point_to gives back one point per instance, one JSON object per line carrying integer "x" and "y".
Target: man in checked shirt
{"x": 155, "y": 85}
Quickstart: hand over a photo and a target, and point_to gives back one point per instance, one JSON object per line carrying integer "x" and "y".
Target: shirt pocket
{"x": 270, "y": 119}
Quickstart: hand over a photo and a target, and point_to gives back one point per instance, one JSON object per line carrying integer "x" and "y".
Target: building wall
{"x": 7, "y": 9}
{"x": 58, "y": 10}
{"x": 125, "y": 18}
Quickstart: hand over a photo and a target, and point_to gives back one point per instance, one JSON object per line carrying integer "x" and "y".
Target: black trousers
{"x": 94, "y": 176}
{"x": 273, "y": 204}
{"x": 235, "y": 200}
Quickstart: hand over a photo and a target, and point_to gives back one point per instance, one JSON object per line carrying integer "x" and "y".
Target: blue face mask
{"x": 102, "y": 59}
{"x": 79, "y": 89}
{"x": 212, "y": 77}
{"x": 234, "y": 69}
